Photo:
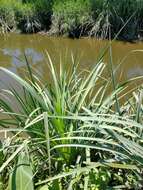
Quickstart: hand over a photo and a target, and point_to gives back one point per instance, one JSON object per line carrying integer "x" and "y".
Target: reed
{"x": 71, "y": 133}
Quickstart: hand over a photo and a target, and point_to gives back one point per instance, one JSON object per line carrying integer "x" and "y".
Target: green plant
{"x": 74, "y": 18}
{"x": 73, "y": 129}
{"x": 112, "y": 14}
{"x": 43, "y": 10}
{"x": 7, "y": 16}
{"x": 71, "y": 18}
{"x": 27, "y": 16}
{"x": 27, "y": 20}
{"x": 21, "y": 176}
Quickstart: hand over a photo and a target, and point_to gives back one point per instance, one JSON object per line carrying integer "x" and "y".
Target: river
{"x": 14, "y": 46}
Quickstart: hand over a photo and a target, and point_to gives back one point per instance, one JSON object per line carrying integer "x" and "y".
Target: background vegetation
{"x": 74, "y": 18}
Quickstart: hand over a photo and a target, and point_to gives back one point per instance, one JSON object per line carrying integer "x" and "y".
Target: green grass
{"x": 72, "y": 132}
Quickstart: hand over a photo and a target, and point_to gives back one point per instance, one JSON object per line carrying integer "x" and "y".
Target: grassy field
{"x": 74, "y": 18}
{"x": 72, "y": 132}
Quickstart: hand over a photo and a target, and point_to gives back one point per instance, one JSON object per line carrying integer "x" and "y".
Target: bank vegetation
{"x": 74, "y": 18}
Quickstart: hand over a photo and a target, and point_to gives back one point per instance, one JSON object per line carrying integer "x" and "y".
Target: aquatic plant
{"x": 71, "y": 132}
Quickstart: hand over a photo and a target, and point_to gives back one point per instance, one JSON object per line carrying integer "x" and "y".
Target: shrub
{"x": 114, "y": 15}
{"x": 7, "y": 16}
{"x": 71, "y": 18}
{"x": 43, "y": 11}
{"x": 74, "y": 18}
{"x": 26, "y": 17}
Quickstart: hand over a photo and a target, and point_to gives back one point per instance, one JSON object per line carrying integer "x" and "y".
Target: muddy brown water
{"x": 13, "y": 47}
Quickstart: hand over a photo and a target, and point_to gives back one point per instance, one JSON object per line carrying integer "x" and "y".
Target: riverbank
{"x": 74, "y": 18}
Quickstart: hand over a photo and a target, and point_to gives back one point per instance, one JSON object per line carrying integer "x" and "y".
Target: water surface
{"x": 13, "y": 47}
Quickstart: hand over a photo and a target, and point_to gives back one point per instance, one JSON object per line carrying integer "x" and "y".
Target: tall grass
{"x": 68, "y": 133}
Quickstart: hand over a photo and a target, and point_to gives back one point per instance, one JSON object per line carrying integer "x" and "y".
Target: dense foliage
{"x": 74, "y": 18}
{"x": 80, "y": 130}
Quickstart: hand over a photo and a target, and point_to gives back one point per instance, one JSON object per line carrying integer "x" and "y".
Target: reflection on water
{"x": 14, "y": 46}
{"x": 134, "y": 72}
{"x": 16, "y": 56}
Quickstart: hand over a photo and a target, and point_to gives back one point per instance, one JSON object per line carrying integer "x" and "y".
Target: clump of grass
{"x": 69, "y": 133}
